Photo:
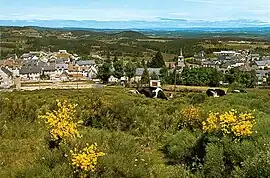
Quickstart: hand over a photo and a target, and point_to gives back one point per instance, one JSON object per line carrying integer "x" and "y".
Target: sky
{"x": 146, "y": 13}
{"x": 146, "y": 10}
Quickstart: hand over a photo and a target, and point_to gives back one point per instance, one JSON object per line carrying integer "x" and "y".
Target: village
{"x": 62, "y": 66}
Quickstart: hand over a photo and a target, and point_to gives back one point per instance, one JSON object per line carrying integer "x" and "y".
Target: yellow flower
{"x": 191, "y": 116}
{"x": 86, "y": 160}
{"x": 61, "y": 122}
{"x": 230, "y": 123}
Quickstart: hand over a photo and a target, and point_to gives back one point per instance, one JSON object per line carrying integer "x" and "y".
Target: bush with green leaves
{"x": 133, "y": 130}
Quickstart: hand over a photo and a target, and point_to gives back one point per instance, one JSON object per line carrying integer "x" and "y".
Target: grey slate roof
{"x": 34, "y": 63}
{"x": 49, "y": 68}
{"x": 61, "y": 66}
{"x": 255, "y": 55}
{"x": 262, "y": 73}
{"x": 262, "y": 63}
{"x": 6, "y": 71}
{"x": 208, "y": 63}
{"x": 30, "y": 70}
{"x": 61, "y": 60}
{"x": 266, "y": 58}
{"x": 139, "y": 71}
{"x": 87, "y": 62}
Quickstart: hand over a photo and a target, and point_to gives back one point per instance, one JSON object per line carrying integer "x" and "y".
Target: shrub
{"x": 61, "y": 122}
{"x": 198, "y": 98}
{"x": 213, "y": 163}
{"x": 256, "y": 166}
{"x": 190, "y": 118}
{"x": 178, "y": 148}
{"x": 238, "y": 125}
{"x": 85, "y": 161}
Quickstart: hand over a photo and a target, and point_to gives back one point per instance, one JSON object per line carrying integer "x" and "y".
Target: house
{"x": 30, "y": 73}
{"x": 262, "y": 75}
{"x": 44, "y": 59}
{"x": 62, "y": 61}
{"x": 155, "y": 83}
{"x": 64, "y": 76}
{"x": 34, "y": 63}
{"x": 92, "y": 73}
{"x": 61, "y": 67}
{"x": 200, "y": 56}
{"x": 49, "y": 71}
{"x": 84, "y": 66}
{"x": 139, "y": 72}
{"x": 170, "y": 65}
{"x": 236, "y": 64}
{"x": 255, "y": 57}
{"x": 86, "y": 62}
{"x": 112, "y": 79}
{"x": 75, "y": 76}
{"x": 10, "y": 63}
{"x": 26, "y": 56}
{"x": 6, "y": 78}
{"x": 12, "y": 56}
{"x": 264, "y": 64}
{"x": 62, "y": 51}
{"x": 213, "y": 64}
{"x": 227, "y": 55}
{"x": 189, "y": 65}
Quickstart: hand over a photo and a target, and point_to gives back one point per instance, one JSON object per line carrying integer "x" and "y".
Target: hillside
{"x": 132, "y": 45}
{"x": 140, "y": 137}
{"x": 129, "y": 35}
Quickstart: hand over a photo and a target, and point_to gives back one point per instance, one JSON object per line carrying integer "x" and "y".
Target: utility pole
{"x": 77, "y": 78}
{"x": 39, "y": 81}
{"x": 175, "y": 76}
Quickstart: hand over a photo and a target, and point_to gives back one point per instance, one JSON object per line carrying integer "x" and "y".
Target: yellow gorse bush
{"x": 61, "y": 122}
{"x": 190, "y": 116}
{"x": 85, "y": 161}
{"x": 230, "y": 123}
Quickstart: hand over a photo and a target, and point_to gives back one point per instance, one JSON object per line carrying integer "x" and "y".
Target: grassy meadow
{"x": 140, "y": 137}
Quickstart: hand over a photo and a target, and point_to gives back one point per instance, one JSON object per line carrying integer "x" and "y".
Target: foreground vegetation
{"x": 132, "y": 136}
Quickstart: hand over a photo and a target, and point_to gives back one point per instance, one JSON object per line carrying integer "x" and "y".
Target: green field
{"x": 141, "y": 137}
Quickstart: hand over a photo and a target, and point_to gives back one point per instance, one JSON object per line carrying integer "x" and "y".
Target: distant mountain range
{"x": 164, "y": 27}
{"x": 162, "y": 23}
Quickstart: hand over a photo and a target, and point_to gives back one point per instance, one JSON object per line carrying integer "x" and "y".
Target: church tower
{"x": 181, "y": 61}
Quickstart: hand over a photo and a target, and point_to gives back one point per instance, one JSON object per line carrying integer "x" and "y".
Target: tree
{"x": 154, "y": 76}
{"x": 104, "y": 71}
{"x": 145, "y": 76}
{"x": 201, "y": 77}
{"x": 268, "y": 81}
{"x": 118, "y": 69}
{"x": 115, "y": 59}
{"x": 143, "y": 62}
{"x": 157, "y": 61}
{"x": 108, "y": 55}
{"x": 130, "y": 70}
{"x": 248, "y": 78}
